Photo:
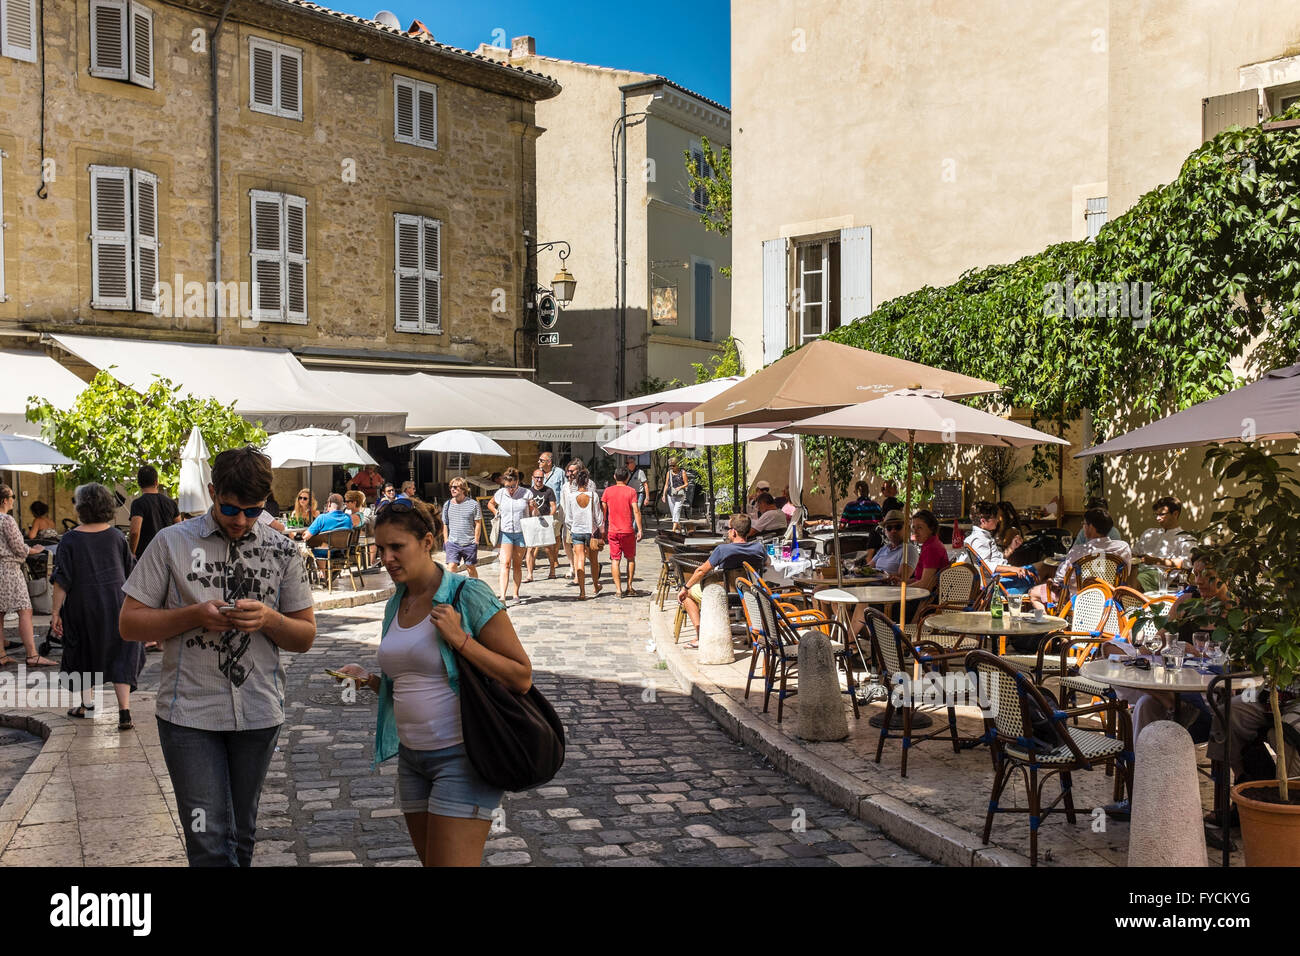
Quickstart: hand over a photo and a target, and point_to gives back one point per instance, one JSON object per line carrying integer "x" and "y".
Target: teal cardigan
{"x": 386, "y": 742}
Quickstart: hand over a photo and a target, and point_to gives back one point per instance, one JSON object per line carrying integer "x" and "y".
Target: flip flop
{"x": 39, "y": 661}
{"x": 693, "y": 645}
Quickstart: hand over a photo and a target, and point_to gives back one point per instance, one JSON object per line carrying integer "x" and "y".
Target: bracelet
{"x": 461, "y": 649}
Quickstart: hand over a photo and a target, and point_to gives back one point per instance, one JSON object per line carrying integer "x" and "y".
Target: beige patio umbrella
{"x": 912, "y": 415}
{"x": 821, "y": 377}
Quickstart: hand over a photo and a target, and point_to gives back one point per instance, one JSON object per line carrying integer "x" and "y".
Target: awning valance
{"x": 266, "y": 385}
{"x": 23, "y": 374}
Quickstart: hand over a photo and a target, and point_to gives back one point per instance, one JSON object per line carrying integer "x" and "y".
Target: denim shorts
{"x": 580, "y": 537}
{"x": 515, "y": 538}
{"x": 445, "y": 783}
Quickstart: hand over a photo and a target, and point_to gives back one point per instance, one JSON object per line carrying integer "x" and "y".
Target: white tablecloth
{"x": 780, "y": 571}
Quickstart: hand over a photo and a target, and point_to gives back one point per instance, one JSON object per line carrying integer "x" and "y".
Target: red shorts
{"x": 622, "y": 544}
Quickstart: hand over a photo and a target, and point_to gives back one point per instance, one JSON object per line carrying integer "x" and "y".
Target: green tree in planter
{"x": 1258, "y": 557}
{"x": 111, "y": 430}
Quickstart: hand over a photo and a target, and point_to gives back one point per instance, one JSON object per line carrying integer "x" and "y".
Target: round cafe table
{"x": 981, "y": 623}
{"x": 845, "y": 600}
{"x": 1187, "y": 679}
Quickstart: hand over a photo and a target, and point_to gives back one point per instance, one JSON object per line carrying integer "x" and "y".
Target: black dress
{"x": 91, "y": 568}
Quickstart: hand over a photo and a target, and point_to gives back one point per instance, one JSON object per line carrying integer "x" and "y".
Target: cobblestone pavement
{"x": 649, "y": 779}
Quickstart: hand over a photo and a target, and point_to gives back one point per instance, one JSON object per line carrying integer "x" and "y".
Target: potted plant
{"x": 1257, "y": 554}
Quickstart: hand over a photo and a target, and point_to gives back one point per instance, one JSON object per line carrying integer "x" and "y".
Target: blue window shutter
{"x": 775, "y": 297}
{"x": 704, "y": 302}
{"x": 855, "y": 273}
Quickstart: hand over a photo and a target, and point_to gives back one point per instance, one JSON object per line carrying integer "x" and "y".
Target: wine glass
{"x": 1154, "y": 641}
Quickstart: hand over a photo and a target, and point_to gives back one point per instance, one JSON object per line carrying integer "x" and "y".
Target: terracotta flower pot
{"x": 1270, "y": 832}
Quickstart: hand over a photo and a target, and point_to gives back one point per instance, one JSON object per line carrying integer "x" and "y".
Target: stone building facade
{"x": 310, "y": 169}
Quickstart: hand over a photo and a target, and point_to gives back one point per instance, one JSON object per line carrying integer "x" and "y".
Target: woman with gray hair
{"x": 90, "y": 567}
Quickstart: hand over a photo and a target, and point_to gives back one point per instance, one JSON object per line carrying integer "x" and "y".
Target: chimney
{"x": 523, "y": 46}
{"x": 418, "y": 29}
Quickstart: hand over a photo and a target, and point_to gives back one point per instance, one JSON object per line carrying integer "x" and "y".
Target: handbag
{"x": 494, "y": 531}
{"x": 515, "y": 741}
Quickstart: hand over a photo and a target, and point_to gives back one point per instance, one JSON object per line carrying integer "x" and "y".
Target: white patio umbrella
{"x": 462, "y": 441}
{"x": 674, "y": 401}
{"x": 20, "y": 453}
{"x": 308, "y": 447}
{"x": 192, "y": 496}
{"x": 912, "y": 415}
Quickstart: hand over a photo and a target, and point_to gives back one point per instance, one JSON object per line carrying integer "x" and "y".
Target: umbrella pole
{"x": 713, "y": 502}
{"x": 735, "y": 470}
{"x": 835, "y": 518}
{"x": 907, "y": 536}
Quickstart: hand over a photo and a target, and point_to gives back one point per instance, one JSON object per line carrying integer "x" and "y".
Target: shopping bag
{"x": 539, "y": 532}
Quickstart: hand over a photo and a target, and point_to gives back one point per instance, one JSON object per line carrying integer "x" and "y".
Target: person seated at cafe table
{"x": 1167, "y": 547}
{"x": 889, "y": 500}
{"x": 933, "y": 558}
{"x": 769, "y": 517}
{"x": 336, "y": 518}
{"x": 725, "y": 557}
{"x": 751, "y": 505}
{"x": 895, "y": 557}
{"x": 983, "y": 541}
{"x": 861, "y": 514}
{"x": 1097, "y": 525}
{"x": 1113, "y": 533}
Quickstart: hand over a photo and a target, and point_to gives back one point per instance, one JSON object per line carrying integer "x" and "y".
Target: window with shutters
{"x": 703, "y": 300}
{"x": 279, "y": 257}
{"x": 1095, "y": 215}
{"x": 274, "y": 78}
{"x": 124, "y": 242}
{"x": 18, "y": 29}
{"x": 417, "y": 250}
{"x": 700, "y": 195}
{"x": 121, "y": 41}
{"x": 415, "y": 112}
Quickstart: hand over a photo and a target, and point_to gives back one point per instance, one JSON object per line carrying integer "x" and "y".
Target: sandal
{"x": 693, "y": 645}
{"x": 39, "y": 661}
{"x": 6, "y": 660}
{"x": 82, "y": 711}
{"x": 596, "y": 592}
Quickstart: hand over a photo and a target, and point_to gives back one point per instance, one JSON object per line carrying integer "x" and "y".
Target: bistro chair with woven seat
{"x": 1130, "y": 602}
{"x": 782, "y": 625}
{"x": 1097, "y": 566}
{"x": 1094, "y": 620}
{"x": 338, "y": 546}
{"x": 754, "y": 626}
{"x": 685, "y": 567}
{"x": 895, "y": 656}
{"x": 669, "y": 580}
{"x": 1029, "y": 733}
{"x": 958, "y": 589}
{"x": 789, "y": 595}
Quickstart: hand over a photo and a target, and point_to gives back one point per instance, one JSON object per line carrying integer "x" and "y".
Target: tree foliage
{"x": 716, "y": 214}
{"x": 1218, "y": 247}
{"x": 724, "y": 363}
{"x": 111, "y": 430}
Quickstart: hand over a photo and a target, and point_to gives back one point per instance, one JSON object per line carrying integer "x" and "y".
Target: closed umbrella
{"x": 912, "y": 415}
{"x": 192, "y": 496}
{"x": 1268, "y": 408}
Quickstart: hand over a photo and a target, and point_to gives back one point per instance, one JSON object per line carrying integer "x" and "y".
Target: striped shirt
{"x": 220, "y": 680}
{"x": 460, "y": 518}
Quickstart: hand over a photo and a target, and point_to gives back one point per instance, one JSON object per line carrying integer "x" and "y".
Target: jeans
{"x": 219, "y": 774}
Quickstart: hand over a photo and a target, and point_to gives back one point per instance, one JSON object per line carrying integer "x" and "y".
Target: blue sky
{"x": 688, "y": 41}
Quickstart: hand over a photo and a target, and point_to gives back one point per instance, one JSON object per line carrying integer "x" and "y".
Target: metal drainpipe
{"x": 622, "y": 219}
{"x": 216, "y": 162}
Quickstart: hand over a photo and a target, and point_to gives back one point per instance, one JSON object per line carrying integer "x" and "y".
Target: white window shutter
{"x": 407, "y": 256}
{"x": 144, "y": 190}
{"x": 110, "y": 237}
{"x": 261, "y": 76}
{"x": 427, "y": 113}
{"x": 295, "y": 258}
{"x": 432, "y": 278}
{"x": 18, "y": 29}
{"x": 267, "y": 255}
{"x": 141, "y": 56}
{"x": 855, "y": 273}
{"x": 290, "y": 83}
{"x": 108, "y": 44}
{"x": 775, "y": 323}
{"x": 403, "y": 110}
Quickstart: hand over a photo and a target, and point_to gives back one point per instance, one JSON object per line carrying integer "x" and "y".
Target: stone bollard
{"x": 1165, "y": 827}
{"x": 715, "y": 626}
{"x": 821, "y": 704}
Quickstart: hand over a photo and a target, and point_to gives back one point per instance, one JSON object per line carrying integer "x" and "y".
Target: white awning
{"x": 506, "y": 409}
{"x": 264, "y": 385}
{"x": 23, "y": 374}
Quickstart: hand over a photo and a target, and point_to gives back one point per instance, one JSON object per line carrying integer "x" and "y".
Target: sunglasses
{"x": 1141, "y": 663}
{"x": 231, "y": 510}
{"x": 893, "y": 527}
{"x": 399, "y": 506}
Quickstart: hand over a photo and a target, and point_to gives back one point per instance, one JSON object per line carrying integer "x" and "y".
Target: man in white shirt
{"x": 1096, "y": 527}
{"x": 895, "y": 557}
{"x": 982, "y": 541}
{"x": 1166, "y": 547}
{"x": 768, "y": 516}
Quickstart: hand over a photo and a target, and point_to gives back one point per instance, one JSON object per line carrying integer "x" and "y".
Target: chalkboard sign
{"x": 948, "y": 498}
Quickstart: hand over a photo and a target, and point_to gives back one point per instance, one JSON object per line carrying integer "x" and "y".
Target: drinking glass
{"x": 1014, "y": 601}
{"x": 785, "y": 552}
{"x": 1174, "y": 655}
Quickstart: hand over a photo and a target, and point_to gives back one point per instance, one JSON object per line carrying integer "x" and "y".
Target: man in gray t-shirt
{"x": 224, "y": 594}
{"x": 462, "y": 522}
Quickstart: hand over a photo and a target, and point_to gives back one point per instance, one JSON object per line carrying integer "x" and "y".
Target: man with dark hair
{"x": 1166, "y": 548}
{"x": 769, "y": 516}
{"x": 636, "y": 480}
{"x": 622, "y": 506}
{"x": 224, "y": 594}
{"x": 151, "y": 512}
{"x": 1099, "y": 504}
{"x": 1097, "y": 524}
{"x": 984, "y": 543}
{"x": 725, "y": 557}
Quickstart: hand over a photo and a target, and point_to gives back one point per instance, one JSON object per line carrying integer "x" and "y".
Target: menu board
{"x": 948, "y": 495}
